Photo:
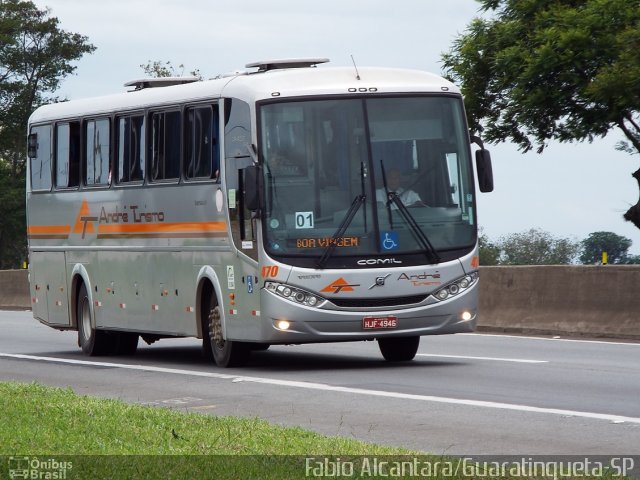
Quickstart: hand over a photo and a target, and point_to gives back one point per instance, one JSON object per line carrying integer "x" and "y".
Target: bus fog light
{"x": 283, "y": 325}
{"x": 466, "y": 316}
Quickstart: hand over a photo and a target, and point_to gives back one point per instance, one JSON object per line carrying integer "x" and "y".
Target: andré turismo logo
{"x": 35, "y": 468}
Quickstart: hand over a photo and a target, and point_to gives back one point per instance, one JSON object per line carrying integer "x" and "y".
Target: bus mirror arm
{"x": 483, "y": 166}
{"x": 253, "y": 153}
{"x": 253, "y": 187}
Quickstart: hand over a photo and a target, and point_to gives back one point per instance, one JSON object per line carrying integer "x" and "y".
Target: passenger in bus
{"x": 394, "y": 184}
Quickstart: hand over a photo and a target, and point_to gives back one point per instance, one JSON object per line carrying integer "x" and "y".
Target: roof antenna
{"x": 354, "y": 66}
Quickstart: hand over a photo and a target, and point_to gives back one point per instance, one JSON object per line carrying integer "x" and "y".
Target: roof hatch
{"x": 267, "y": 65}
{"x": 154, "y": 82}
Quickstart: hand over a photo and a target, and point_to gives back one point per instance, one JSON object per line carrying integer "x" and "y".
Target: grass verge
{"x": 46, "y": 420}
{"x": 105, "y": 438}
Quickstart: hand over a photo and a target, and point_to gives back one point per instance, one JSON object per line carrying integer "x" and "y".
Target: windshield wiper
{"x": 430, "y": 252}
{"x": 346, "y": 221}
{"x": 386, "y": 193}
{"x": 344, "y": 224}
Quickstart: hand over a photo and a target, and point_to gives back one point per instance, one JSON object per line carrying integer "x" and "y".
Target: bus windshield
{"x": 366, "y": 177}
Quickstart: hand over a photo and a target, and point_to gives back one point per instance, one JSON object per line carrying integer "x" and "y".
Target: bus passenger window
{"x": 97, "y": 170}
{"x": 165, "y": 146}
{"x": 202, "y": 159}
{"x": 130, "y": 166}
{"x": 67, "y": 154}
{"x": 41, "y": 163}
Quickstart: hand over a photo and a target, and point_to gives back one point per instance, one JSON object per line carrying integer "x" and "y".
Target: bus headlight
{"x": 457, "y": 287}
{"x": 293, "y": 294}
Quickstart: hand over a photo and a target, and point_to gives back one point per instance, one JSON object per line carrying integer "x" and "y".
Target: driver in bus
{"x": 394, "y": 181}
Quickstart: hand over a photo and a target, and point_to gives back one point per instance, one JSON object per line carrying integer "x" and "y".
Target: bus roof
{"x": 251, "y": 87}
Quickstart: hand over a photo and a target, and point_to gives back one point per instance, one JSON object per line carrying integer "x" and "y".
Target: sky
{"x": 570, "y": 190}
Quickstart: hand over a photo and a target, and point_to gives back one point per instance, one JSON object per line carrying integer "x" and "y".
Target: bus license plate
{"x": 375, "y": 323}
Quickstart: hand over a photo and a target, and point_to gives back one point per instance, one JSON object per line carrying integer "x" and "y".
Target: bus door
{"x": 239, "y": 275}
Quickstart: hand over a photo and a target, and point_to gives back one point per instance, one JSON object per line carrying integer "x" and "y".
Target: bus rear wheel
{"x": 93, "y": 342}
{"x": 399, "y": 349}
{"x": 226, "y": 353}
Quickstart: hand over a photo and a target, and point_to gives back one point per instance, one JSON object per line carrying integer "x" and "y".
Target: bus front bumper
{"x": 286, "y": 322}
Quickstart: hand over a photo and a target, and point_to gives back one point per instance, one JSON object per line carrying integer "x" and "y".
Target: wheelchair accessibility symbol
{"x": 389, "y": 240}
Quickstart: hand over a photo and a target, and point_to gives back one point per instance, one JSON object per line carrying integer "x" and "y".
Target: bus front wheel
{"x": 226, "y": 353}
{"x": 93, "y": 342}
{"x": 399, "y": 349}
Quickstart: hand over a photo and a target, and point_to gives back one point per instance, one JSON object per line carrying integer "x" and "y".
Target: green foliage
{"x": 13, "y": 243}
{"x": 35, "y": 55}
{"x": 489, "y": 251}
{"x": 110, "y": 439}
{"x": 632, "y": 260}
{"x": 616, "y": 247}
{"x": 74, "y": 424}
{"x": 537, "y": 247}
{"x": 538, "y": 70}
{"x": 160, "y": 69}
{"x": 532, "y": 247}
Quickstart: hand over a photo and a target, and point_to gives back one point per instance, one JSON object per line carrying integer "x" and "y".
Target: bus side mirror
{"x": 485, "y": 171}
{"x": 252, "y": 187}
{"x": 32, "y": 145}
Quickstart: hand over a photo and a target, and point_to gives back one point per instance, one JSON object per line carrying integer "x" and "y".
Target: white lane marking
{"x": 633, "y": 343}
{"x": 335, "y": 388}
{"x": 494, "y": 359}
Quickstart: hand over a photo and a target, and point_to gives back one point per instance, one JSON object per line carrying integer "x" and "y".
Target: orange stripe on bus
{"x": 177, "y": 227}
{"x": 48, "y": 229}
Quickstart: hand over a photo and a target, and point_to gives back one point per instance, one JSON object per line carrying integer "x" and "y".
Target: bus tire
{"x": 208, "y": 301}
{"x": 92, "y": 342}
{"x": 399, "y": 349}
{"x": 225, "y": 353}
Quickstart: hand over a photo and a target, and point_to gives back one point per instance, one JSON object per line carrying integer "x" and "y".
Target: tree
{"x": 537, "y": 247}
{"x": 616, "y": 247}
{"x": 160, "y": 69}
{"x": 12, "y": 219}
{"x": 35, "y": 55}
{"x": 541, "y": 70}
{"x": 489, "y": 251}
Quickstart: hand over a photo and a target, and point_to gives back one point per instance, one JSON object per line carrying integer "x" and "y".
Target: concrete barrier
{"x": 14, "y": 289}
{"x": 593, "y": 301}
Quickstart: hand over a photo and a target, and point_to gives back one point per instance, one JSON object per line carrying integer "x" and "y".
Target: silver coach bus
{"x": 288, "y": 204}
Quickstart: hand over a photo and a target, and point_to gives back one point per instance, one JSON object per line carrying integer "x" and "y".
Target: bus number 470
{"x": 270, "y": 271}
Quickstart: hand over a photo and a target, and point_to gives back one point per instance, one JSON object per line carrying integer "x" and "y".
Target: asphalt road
{"x": 463, "y": 394}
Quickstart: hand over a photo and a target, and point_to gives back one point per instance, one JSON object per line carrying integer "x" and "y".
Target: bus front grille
{"x": 377, "y": 302}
